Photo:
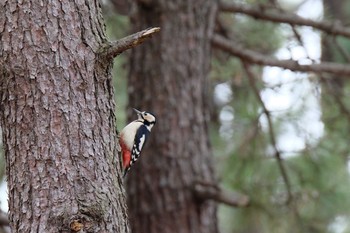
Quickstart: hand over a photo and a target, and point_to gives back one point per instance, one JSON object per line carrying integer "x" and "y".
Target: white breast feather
{"x": 129, "y": 132}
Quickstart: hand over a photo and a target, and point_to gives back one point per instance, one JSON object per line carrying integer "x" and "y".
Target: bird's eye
{"x": 146, "y": 114}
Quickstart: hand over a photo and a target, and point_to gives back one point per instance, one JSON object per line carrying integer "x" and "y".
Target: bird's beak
{"x": 137, "y": 111}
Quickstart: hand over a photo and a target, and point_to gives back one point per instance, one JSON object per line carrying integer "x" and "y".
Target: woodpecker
{"x": 134, "y": 136}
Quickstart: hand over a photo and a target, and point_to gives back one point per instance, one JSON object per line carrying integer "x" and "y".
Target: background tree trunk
{"x": 335, "y": 104}
{"x": 168, "y": 76}
{"x": 57, "y": 118}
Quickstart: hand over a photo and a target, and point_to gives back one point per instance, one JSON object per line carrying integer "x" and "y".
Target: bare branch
{"x": 117, "y": 47}
{"x": 284, "y": 17}
{"x": 271, "y": 132}
{"x": 209, "y": 191}
{"x": 257, "y": 58}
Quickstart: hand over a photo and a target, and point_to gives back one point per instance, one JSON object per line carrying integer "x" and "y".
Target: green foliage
{"x": 318, "y": 174}
{"x": 264, "y": 37}
{"x": 319, "y": 182}
{"x": 340, "y": 56}
{"x": 120, "y": 87}
{"x": 117, "y": 27}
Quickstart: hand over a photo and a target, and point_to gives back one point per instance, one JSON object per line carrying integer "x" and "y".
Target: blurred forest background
{"x": 279, "y": 137}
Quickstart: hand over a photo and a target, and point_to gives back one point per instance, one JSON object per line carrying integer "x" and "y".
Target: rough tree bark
{"x": 57, "y": 114}
{"x": 168, "y": 78}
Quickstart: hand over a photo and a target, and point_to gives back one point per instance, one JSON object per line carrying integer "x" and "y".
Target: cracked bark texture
{"x": 168, "y": 77}
{"x": 57, "y": 119}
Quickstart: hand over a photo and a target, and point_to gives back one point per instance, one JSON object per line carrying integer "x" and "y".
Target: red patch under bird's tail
{"x": 126, "y": 154}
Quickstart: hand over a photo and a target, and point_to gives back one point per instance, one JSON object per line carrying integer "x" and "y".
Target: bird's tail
{"x": 126, "y": 171}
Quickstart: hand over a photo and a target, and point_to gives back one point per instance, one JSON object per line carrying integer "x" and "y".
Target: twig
{"x": 206, "y": 191}
{"x": 115, "y": 48}
{"x": 260, "y": 59}
{"x": 271, "y": 132}
{"x": 283, "y": 17}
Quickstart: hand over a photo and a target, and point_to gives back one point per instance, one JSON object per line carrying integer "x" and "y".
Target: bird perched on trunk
{"x": 134, "y": 136}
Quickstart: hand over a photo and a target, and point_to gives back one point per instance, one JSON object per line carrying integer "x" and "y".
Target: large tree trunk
{"x": 168, "y": 77}
{"x": 57, "y": 118}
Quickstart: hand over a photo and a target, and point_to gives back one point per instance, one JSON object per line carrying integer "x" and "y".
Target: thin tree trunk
{"x": 168, "y": 78}
{"x": 336, "y": 11}
{"x": 334, "y": 100}
{"x": 57, "y": 119}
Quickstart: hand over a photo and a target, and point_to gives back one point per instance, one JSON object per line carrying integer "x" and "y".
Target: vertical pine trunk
{"x": 57, "y": 119}
{"x": 168, "y": 77}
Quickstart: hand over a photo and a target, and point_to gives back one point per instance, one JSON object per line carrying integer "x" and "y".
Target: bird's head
{"x": 146, "y": 117}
